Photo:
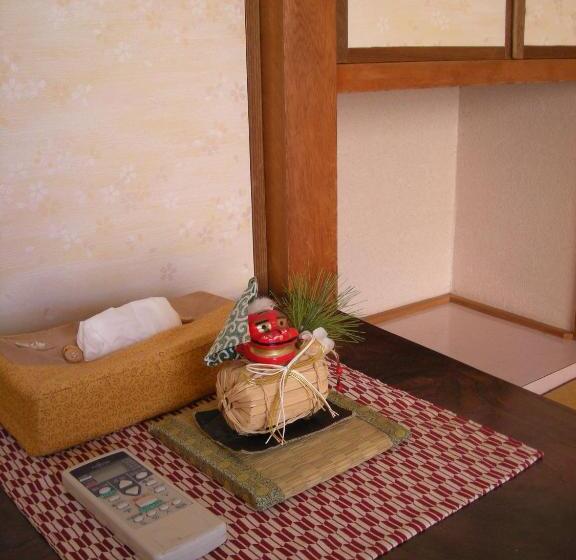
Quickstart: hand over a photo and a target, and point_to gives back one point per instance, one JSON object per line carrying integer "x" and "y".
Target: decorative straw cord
{"x": 276, "y": 425}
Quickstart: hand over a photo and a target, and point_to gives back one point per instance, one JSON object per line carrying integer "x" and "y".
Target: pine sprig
{"x": 312, "y": 302}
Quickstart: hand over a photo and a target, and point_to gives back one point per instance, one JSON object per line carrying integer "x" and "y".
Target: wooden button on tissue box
{"x": 49, "y": 404}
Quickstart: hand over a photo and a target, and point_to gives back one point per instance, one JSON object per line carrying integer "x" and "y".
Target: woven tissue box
{"x": 48, "y": 404}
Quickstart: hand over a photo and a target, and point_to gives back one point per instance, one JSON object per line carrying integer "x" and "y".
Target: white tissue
{"x": 119, "y": 327}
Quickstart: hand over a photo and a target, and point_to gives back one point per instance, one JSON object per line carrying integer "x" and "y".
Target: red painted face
{"x": 270, "y": 328}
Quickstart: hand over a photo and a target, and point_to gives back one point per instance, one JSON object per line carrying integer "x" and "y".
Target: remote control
{"x": 143, "y": 510}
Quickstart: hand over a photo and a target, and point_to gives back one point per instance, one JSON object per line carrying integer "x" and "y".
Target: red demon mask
{"x": 272, "y": 339}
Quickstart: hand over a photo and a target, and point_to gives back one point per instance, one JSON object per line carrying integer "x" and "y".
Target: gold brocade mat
{"x": 268, "y": 478}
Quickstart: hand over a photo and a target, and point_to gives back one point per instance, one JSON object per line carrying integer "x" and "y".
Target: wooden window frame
{"x": 522, "y": 51}
{"x": 347, "y": 55}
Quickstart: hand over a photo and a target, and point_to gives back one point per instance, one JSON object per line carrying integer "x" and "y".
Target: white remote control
{"x": 143, "y": 510}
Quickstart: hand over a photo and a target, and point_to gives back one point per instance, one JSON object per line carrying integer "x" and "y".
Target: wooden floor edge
{"x": 512, "y": 317}
{"x": 404, "y": 310}
{"x": 564, "y": 394}
{"x": 417, "y": 306}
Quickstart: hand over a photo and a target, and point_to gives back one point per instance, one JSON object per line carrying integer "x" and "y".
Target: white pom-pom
{"x": 322, "y": 337}
{"x": 320, "y": 333}
{"x": 260, "y": 304}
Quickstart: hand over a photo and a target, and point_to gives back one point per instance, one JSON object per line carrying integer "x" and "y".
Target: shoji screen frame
{"x": 522, "y": 51}
{"x": 347, "y": 55}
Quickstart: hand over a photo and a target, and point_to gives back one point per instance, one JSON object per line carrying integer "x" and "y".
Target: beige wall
{"x": 396, "y": 183}
{"x": 515, "y": 243}
{"x": 124, "y": 166}
{"x": 124, "y": 171}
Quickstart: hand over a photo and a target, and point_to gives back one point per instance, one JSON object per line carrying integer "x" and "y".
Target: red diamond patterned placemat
{"x": 448, "y": 463}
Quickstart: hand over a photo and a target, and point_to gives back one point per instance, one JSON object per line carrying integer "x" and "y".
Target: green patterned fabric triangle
{"x": 235, "y": 330}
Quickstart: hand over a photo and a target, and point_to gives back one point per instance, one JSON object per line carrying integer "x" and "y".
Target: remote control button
{"x": 125, "y": 483}
{"x": 104, "y": 490}
{"x": 164, "y": 507}
{"x": 138, "y": 519}
{"x": 114, "y": 498}
{"x": 132, "y": 491}
{"x": 160, "y": 489}
{"x": 122, "y": 506}
{"x": 151, "y": 482}
{"x": 152, "y": 513}
{"x": 140, "y": 475}
{"x": 147, "y": 502}
{"x": 177, "y": 502}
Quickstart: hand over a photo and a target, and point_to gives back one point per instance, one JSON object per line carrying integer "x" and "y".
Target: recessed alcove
{"x": 468, "y": 191}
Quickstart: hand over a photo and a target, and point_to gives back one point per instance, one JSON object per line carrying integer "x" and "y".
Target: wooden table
{"x": 530, "y": 517}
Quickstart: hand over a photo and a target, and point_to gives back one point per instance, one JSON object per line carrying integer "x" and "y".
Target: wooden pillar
{"x": 298, "y": 71}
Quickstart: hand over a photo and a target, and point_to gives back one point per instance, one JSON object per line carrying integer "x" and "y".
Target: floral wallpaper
{"x": 124, "y": 166}
{"x": 397, "y": 23}
{"x": 550, "y": 22}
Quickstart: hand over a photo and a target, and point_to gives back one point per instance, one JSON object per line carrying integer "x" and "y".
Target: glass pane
{"x": 550, "y": 22}
{"x": 426, "y": 23}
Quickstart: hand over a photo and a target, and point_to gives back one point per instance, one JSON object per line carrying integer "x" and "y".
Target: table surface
{"x": 531, "y": 517}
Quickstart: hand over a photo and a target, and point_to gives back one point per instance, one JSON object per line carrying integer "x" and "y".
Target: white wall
{"x": 471, "y": 191}
{"x": 124, "y": 167}
{"x": 396, "y": 187}
{"x": 515, "y": 242}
